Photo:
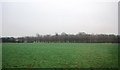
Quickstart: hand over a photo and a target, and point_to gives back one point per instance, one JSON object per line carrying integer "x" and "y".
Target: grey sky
{"x": 0, "y": 19}
{"x": 22, "y": 19}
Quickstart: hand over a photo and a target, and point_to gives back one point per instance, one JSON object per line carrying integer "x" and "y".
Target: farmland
{"x": 59, "y": 55}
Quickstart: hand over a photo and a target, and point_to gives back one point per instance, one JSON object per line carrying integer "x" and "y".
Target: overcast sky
{"x": 49, "y": 17}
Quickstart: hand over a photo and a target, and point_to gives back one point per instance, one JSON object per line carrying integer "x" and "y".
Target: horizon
{"x": 59, "y": 34}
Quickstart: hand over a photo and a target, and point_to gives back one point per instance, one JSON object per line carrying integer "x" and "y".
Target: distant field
{"x": 60, "y": 55}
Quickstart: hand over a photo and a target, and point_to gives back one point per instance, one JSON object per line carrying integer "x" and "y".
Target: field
{"x": 60, "y": 55}
{"x": 0, "y": 55}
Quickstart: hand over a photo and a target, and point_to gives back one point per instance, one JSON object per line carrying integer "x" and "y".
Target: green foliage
{"x": 60, "y": 55}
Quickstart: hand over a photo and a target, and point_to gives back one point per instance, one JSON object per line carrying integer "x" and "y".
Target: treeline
{"x": 65, "y": 38}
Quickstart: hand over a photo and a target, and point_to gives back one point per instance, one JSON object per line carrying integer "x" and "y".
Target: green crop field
{"x": 59, "y": 55}
{"x": 0, "y": 55}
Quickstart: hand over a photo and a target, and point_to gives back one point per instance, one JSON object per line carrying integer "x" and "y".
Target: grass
{"x": 60, "y": 55}
{"x": 0, "y": 55}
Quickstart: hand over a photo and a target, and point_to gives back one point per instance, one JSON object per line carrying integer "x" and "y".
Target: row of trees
{"x": 63, "y": 38}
